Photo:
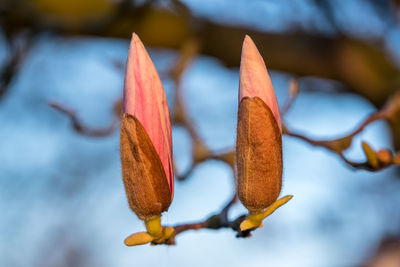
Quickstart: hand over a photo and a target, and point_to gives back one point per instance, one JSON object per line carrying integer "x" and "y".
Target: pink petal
{"x": 254, "y": 78}
{"x": 144, "y": 98}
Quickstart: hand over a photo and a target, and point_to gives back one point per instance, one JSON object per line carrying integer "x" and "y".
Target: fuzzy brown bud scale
{"x": 258, "y": 155}
{"x": 145, "y": 181}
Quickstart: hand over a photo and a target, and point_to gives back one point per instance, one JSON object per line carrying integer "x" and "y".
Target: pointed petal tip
{"x": 254, "y": 78}
{"x": 249, "y": 48}
{"x": 247, "y": 40}
{"x": 253, "y": 72}
{"x": 136, "y": 47}
{"x": 138, "y": 75}
{"x": 135, "y": 39}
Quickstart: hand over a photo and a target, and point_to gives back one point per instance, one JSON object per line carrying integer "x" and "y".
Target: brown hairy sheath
{"x": 258, "y": 155}
{"x": 143, "y": 174}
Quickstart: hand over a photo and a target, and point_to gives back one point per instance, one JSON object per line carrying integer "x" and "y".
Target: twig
{"x": 339, "y": 145}
{"x": 18, "y": 54}
{"x": 215, "y": 222}
{"x": 81, "y": 127}
{"x": 292, "y": 95}
{"x": 201, "y": 153}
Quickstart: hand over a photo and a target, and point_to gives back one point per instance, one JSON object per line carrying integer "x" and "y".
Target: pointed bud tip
{"x": 135, "y": 40}
{"x": 248, "y": 43}
{"x": 136, "y": 66}
{"x": 254, "y": 78}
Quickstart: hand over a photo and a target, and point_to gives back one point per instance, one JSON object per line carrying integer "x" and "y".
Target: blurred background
{"x": 62, "y": 200}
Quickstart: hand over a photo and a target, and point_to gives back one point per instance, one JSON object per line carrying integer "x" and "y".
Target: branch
{"x": 214, "y": 222}
{"x": 19, "y": 52}
{"x": 292, "y": 95}
{"x": 83, "y": 129}
{"x": 376, "y": 160}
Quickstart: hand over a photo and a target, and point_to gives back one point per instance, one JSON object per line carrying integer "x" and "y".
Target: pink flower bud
{"x": 254, "y": 78}
{"x": 259, "y": 139}
{"x": 146, "y": 142}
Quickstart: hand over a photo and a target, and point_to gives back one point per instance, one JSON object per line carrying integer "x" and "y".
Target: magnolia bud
{"x": 259, "y": 139}
{"x": 146, "y": 144}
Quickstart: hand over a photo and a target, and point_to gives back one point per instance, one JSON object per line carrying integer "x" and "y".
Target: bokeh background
{"x": 62, "y": 200}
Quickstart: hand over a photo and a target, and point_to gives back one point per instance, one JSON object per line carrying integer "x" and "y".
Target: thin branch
{"x": 83, "y": 129}
{"x": 215, "y": 222}
{"x": 201, "y": 153}
{"x": 341, "y": 144}
{"x": 20, "y": 47}
{"x": 179, "y": 114}
{"x": 292, "y": 95}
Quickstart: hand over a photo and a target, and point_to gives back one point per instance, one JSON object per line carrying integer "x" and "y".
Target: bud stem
{"x": 153, "y": 226}
{"x": 254, "y": 219}
{"x": 155, "y": 233}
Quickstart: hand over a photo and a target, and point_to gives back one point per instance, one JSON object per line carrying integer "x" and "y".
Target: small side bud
{"x": 372, "y": 158}
{"x": 385, "y": 156}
